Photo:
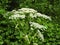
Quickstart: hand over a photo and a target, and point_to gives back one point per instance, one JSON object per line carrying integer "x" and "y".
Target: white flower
{"x": 16, "y": 12}
{"x": 17, "y": 16}
{"x": 27, "y": 38}
{"x": 13, "y": 10}
{"x": 35, "y": 43}
{"x": 32, "y": 10}
{"x": 42, "y": 15}
{"x": 36, "y": 25}
{"x": 32, "y": 15}
{"x": 27, "y": 10}
{"x": 22, "y": 13}
{"x": 32, "y": 28}
{"x": 40, "y": 35}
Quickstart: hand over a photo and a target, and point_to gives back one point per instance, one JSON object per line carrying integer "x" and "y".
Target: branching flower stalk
{"x": 27, "y": 19}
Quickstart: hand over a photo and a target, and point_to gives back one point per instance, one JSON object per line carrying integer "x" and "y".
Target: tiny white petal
{"x": 32, "y": 28}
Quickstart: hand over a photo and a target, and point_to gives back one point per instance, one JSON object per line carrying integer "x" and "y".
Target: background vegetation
{"x": 48, "y": 7}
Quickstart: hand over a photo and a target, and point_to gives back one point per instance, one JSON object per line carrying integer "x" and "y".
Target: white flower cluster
{"x": 27, "y": 10}
{"x": 39, "y": 15}
{"x": 15, "y": 16}
{"x": 21, "y": 13}
{"x": 42, "y": 15}
{"x": 36, "y": 25}
{"x": 40, "y": 35}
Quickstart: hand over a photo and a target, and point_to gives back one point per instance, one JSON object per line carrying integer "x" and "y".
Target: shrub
{"x": 24, "y": 27}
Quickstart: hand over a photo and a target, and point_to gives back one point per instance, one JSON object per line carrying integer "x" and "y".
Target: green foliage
{"x": 16, "y": 32}
{"x": 10, "y": 35}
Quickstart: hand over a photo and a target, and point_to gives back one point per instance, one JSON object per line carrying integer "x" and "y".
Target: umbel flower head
{"x": 36, "y": 25}
{"x": 22, "y": 14}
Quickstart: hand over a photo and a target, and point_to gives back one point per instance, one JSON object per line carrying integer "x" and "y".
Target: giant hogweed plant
{"x": 27, "y": 22}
